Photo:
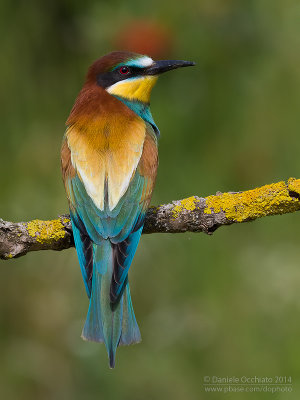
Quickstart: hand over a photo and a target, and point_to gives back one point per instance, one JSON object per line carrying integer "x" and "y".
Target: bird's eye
{"x": 124, "y": 70}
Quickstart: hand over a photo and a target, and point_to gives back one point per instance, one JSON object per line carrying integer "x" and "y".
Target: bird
{"x": 109, "y": 159}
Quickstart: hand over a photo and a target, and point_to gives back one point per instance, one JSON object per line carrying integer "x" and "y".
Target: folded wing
{"x": 109, "y": 179}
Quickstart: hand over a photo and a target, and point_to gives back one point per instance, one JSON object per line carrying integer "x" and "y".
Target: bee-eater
{"x": 109, "y": 162}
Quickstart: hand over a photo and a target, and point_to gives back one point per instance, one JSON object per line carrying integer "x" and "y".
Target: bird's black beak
{"x": 166, "y": 65}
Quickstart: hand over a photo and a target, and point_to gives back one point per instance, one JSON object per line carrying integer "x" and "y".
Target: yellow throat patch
{"x": 134, "y": 89}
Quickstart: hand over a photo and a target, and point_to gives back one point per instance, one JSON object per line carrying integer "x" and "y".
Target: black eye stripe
{"x": 109, "y": 78}
{"x": 133, "y": 70}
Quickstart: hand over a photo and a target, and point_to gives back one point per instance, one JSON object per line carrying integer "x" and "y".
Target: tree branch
{"x": 194, "y": 214}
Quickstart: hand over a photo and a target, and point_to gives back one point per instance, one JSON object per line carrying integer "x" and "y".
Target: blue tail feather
{"x": 112, "y": 325}
{"x": 130, "y": 330}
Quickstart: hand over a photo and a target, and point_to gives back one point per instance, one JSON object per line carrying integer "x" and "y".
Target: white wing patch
{"x": 92, "y": 177}
{"x": 120, "y": 170}
{"x": 92, "y": 188}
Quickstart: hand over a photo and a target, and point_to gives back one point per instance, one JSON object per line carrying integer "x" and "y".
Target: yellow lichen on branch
{"x": 46, "y": 231}
{"x": 294, "y": 185}
{"x": 188, "y": 204}
{"x": 266, "y": 200}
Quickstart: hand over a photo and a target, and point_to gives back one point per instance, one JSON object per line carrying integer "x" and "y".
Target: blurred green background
{"x": 222, "y": 305}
